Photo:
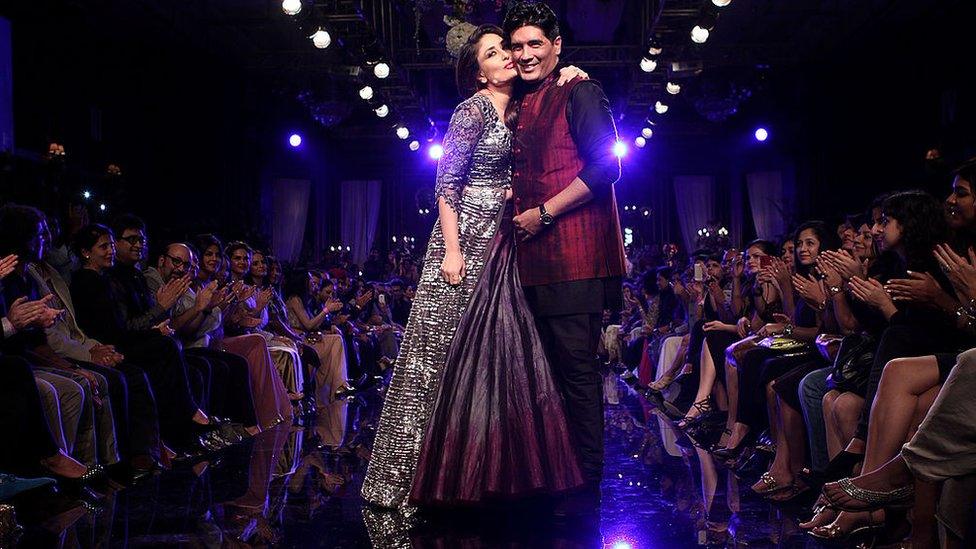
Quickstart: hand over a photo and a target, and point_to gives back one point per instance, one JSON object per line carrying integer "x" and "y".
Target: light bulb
{"x": 291, "y": 7}
{"x": 402, "y": 132}
{"x": 640, "y": 142}
{"x": 366, "y": 93}
{"x": 647, "y": 133}
{"x": 721, "y": 3}
{"x": 673, "y": 88}
{"x": 415, "y": 145}
{"x": 381, "y": 70}
{"x": 660, "y": 108}
{"x": 321, "y": 39}
{"x": 648, "y": 65}
{"x": 382, "y": 111}
{"x": 699, "y": 35}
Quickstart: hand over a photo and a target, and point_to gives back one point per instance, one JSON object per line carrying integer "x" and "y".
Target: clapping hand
{"x": 164, "y": 328}
{"x": 263, "y": 298}
{"x": 845, "y": 264}
{"x": 23, "y": 313}
{"x": 169, "y": 293}
{"x": 811, "y": 290}
{"x": 917, "y": 288}
{"x": 960, "y": 270}
{"x": 7, "y": 265}
{"x": 774, "y": 328}
{"x": 872, "y": 292}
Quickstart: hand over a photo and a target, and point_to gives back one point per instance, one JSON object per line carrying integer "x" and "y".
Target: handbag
{"x": 852, "y": 367}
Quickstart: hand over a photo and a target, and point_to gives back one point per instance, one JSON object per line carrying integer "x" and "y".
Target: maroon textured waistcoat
{"x": 583, "y": 243}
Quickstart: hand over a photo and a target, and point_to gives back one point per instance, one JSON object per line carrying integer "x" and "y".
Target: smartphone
{"x": 699, "y": 272}
{"x": 382, "y": 299}
{"x": 765, "y": 261}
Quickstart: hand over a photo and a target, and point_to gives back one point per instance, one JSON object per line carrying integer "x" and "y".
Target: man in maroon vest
{"x": 570, "y": 254}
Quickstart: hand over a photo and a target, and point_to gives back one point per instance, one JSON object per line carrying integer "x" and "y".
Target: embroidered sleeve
{"x": 462, "y": 137}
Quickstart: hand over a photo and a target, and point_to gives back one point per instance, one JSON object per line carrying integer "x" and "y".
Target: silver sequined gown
{"x": 472, "y": 177}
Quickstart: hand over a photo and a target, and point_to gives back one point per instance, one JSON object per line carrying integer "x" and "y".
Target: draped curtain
{"x": 767, "y": 204}
{"x": 360, "y": 216}
{"x": 695, "y": 205}
{"x": 290, "y": 206}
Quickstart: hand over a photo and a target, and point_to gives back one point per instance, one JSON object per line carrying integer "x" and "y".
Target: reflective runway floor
{"x": 299, "y": 487}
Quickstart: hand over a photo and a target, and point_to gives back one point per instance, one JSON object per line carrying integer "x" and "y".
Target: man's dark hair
{"x": 18, "y": 226}
{"x": 127, "y": 221}
{"x": 537, "y": 14}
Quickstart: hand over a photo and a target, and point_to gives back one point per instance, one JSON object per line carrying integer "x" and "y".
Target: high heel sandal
{"x": 732, "y": 454}
{"x": 834, "y": 532}
{"x": 703, "y": 406}
{"x": 661, "y": 384}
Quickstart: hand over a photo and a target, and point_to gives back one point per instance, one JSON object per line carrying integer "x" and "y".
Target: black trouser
{"x": 571, "y": 343}
{"x": 200, "y": 374}
{"x": 26, "y": 436}
{"x": 134, "y": 409}
{"x": 162, "y": 361}
{"x": 230, "y": 385}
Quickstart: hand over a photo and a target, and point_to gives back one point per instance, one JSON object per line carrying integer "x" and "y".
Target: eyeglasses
{"x": 177, "y": 262}
{"x": 134, "y": 239}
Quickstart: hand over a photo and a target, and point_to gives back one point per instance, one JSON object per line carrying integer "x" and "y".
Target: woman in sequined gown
{"x": 472, "y": 412}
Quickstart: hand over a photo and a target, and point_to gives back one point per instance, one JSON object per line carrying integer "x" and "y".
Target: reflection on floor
{"x": 294, "y": 487}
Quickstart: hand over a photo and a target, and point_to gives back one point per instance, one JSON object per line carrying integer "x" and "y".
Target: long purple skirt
{"x": 498, "y": 429}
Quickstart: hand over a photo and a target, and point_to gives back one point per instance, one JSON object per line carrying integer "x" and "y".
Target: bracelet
{"x": 823, "y": 305}
{"x": 788, "y": 330}
{"x": 834, "y": 290}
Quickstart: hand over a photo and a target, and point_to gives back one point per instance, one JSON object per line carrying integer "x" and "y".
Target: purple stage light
{"x": 295, "y": 140}
{"x": 436, "y": 151}
{"x": 620, "y": 149}
{"x": 761, "y": 134}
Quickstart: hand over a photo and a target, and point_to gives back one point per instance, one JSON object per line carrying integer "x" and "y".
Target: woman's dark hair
{"x": 828, "y": 241}
{"x": 967, "y": 171}
{"x": 204, "y": 241}
{"x": 765, "y": 246}
{"x": 467, "y": 68}
{"x": 923, "y": 225}
{"x": 649, "y": 283}
{"x": 18, "y": 226}
{"x": 237, "y": 245}
{"x": 87, "y": 236}
{"x": 537, "y": 14}
{"x": 296, "y": 284}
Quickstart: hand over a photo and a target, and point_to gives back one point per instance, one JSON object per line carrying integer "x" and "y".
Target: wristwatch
{"x": 788, "y": 330}
{"x": 545, "y": 216}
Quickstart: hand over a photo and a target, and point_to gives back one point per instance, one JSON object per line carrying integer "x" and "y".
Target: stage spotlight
{"x": 402, "y": 132}
{"x": 366, "y": 93}
{"x": 647, "y": 133}
{"x": 102, "y": 207}
{"x": 721, "y": 3}
{"x": 415, "y": 145}
{"x": 660, "y": 108}
{"x": 321, "y": 39}
{"x": 654, "y": 47}
{"x": 761, "y": 134}
{"x": 699, "y": 34}
{"x": 620, "y": 149}
{"x": 673, "y": 88}
{"x": 648, "y": 65}
{"x": 382, "y": 111}
{"x": 86, "y": 194}
{"x": 639, "y": 141}
{"x": 291, "y": 7}
{"x": 436, "y": 151}
{"x": 646, "y": 212}
{"x": 295, "y": 140}
{"x": 381, "y": 70}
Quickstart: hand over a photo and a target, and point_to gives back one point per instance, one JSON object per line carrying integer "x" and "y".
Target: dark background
{"x": 195, "y": 103}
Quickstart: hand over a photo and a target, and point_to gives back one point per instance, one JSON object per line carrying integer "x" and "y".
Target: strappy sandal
{"x": 773, "y": 486}
{"x": 833, "y": 531}
{"x": 703, "y": 406}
